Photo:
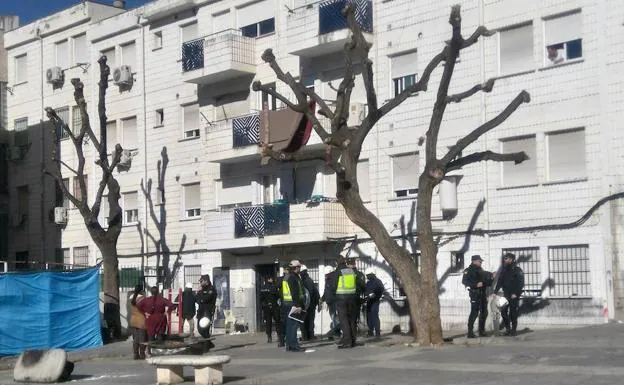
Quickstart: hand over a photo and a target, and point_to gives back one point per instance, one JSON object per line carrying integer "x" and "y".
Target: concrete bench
{"x": 208, "y": 369}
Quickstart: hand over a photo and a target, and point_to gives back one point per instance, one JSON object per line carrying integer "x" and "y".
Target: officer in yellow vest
{"x": 292, "y": 301}
{"x": 347, "y": 285}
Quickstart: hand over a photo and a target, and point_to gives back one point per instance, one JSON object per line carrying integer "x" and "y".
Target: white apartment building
{"x": 185, "y": 69}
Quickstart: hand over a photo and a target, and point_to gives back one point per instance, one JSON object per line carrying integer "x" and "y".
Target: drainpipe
{"x": 486, "y": 185}
{"x": 145, "y": 208}
{"x": 42, "y": 164}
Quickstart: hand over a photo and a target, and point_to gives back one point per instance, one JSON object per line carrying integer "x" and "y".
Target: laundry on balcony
{"x": 285, "y": 130}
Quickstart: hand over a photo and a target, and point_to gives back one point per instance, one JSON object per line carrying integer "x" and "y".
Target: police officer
{"x": 477, "y": 280}
{"x": 307, "y": 331}
{"x": 511, "y": 280}
{"x": 347, "y": 285}
{"x": 281, "y": 334}
{"x": 269, "y": 298}
{"x": 330, "y": 299}
{"x": 292, "y": 301}
{"x": 351, "y": 263}
{"x": 374, "y": 292}
{"x": 206, "y": 299}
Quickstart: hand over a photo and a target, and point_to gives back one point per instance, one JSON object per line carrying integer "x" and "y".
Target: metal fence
{"x": 246, "y": 130}
{"x": 192, "y": 55}
{"x": 331, "y": 18}
{"x": 528, "y": 259}
{"x": 192, "y": 273}
{"x": 259, "y": 221}
{"x": 569, "y": 271}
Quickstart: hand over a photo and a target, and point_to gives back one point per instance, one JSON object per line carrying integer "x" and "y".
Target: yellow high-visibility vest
{"x": 286, "y": 294}
{"x": 346, "y": 282}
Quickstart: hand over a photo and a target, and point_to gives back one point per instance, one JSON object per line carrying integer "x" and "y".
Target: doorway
{"x": 263, "y": 271}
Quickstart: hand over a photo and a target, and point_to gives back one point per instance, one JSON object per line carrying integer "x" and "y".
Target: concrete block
{"x": 42, "y": 366}
{"x": 209, "y": 375}
{"x": 169, "y": 374}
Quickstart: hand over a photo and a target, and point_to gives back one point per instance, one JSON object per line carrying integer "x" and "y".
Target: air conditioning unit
{"x": 14, "y": 153}
{"x": 122, "y": 76}
{"x": 357, "y": 113}
{"x": 54, "y": 75}
{"x": 60, "y": 215}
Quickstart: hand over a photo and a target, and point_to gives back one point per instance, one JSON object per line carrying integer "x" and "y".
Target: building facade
{"x": 180, "y": 99}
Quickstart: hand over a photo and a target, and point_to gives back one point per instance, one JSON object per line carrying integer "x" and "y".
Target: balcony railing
{"x": 192, "y": 55}
{"x": 225, "y": 46}
{"x": 260, "y": 221}
{"x": 331, "y": 18}
{"x": 246, "y": 130}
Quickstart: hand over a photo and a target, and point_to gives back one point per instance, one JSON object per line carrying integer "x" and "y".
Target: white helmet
{"x": 328, "y": 269}
{"x": 369, "y": 271}
{"x": 204, "y": 322}
{"x": 189, "y": 285}
{"x": 304, "y": 268}
{"x": 501, "y": 302}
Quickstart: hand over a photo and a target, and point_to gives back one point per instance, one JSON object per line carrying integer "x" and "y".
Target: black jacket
{"x": 309, "y": 284}
{"x": 511, "y": 280}
{"x": 206, "y": 298}
{"x": 269, "y": 295}
{"x": 328, "y": 295}
{"x": 188, "y": 303}
{"x": 296, "y": 289}
{"x": 473, "y": 275}
{"x": 360, "y": 284}
{"x": 376, "y": 288}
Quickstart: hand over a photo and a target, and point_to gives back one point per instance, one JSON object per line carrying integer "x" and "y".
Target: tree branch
{"x": 485, "y": 87}
{"x": 58, "y": 123}
{"x": 480, "y": 31}
{"x": 523, "y": 97}
{"x": 516, "y": 157}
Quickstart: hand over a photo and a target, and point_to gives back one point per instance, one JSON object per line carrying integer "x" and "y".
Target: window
{"x": 131, "y": 208}
{"x": 516, "y": 49}
{"x": 405, "y": 172}
{"x": 566, "y": 155}
{"x": 191, "y": 121}
{"x": 363, "y": 178}
{"x": 81, "y": 52}
{"x": 261, "y": 28}
{"x": 22, "y": 201}
{"x": 21, "y": 131}
{"x": 128, "y": 55}
{"x": 129, "y": 133}
{"x": 59, "y": 197}
{"x": 111, "y": 136}
{"x": 76, "y": 120}
{"x": 189, "y": 32}
{"x": 78, "y": 193}
{"x": 192, "y": 273}
{"x": 457, "y": 261}
{"x": 569, "y": 271}
{"x": 158, "y": 40}
{"x": 159, "y": 117}
{"x": 563, "y": 38}
{"x": 403, "y": 69}
{"x": 62, "y": 54}
{"x": 62, "y": 113}
{"x": 528, "y": 259}
{"x": 81, "y": 256}
{"x": 65, "y": 198}
{"x": 21, "y": 69}
{"x": 192, "y": 201}
{"x": 522, "y": 174}
{"x": 111, "y": 58}
{"x": 64, "y": 257}
{"x": 305, "y": 179}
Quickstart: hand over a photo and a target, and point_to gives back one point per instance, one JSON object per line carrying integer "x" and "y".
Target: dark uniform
{"x": 511, "y": 280}
{"x": 281, "y": 331}
{"x": 307, "y": 330}
{"x": 374, "y": 292}
{"x": 473, "y": 275}
{"x": 292, "y": 296}
{"x": 269, "y": 298}
{"x": 347, "y": 286}
{"x": 330, "y": 299}
{"x": 206, "y": 299}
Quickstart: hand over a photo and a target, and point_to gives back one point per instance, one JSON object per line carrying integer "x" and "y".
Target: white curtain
{"x": 192, "y": 198}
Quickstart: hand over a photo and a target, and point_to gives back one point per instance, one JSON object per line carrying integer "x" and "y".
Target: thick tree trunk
{"x": 111, "y": 287}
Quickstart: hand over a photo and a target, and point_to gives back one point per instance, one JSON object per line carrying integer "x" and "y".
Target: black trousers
{"x": 307, "y": 330}
{"x": 271, "y": 315}
{"x": 510, "y": 313}
{"x": 478, "y": 308}
{"x": 347, "y": 314}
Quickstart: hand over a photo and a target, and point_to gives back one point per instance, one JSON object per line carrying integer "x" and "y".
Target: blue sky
{"x": 29, "y": 10}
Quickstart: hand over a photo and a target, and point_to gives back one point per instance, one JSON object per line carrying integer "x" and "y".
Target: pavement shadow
{"x": 228, "y": 347}
{"x": 78, "y": 377}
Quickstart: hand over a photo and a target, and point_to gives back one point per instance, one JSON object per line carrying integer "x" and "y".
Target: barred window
{"x": 528, "y": 259}
{"x": 192, "y": 273}
{"x": 76, "y": 120}
{"x": 62, "y": 113}
{"x": 313, "y": 269}
{"x": 81, "y": 256}
{"x": 569, "y": 270}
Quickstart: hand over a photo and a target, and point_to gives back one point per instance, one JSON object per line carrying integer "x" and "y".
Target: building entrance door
{"x": 262, "y": 272}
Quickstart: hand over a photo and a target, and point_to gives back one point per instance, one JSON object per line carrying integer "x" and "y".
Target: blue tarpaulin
{"x": 49, "y": 310}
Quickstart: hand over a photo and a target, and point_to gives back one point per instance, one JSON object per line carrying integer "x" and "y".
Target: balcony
{"x": 277, "y": 224}
{"x": 221, "y": 56}
{"x": 320, "y": 28}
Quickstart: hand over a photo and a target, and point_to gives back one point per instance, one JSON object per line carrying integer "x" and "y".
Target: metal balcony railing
{"x": 246, "y": 130}
{"x": 259, "y": 221}
{"x": 331, "y": 18}
{"x": 193, "y": 55}
{"x": 228, "y": 44}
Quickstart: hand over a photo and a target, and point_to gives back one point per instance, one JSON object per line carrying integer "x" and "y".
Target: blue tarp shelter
{"x": 42, "y": 310}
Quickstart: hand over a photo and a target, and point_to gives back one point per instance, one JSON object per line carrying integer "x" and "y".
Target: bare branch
{"x": 58, "y": 123}
{"x": 523, "y": 97}
{"x": 66, "y": 166}
{"x": 485, "y": 87}
{"x": 102, "y": 85}
{"x": 59, "y": 181}
{"x": 516, "y": 157}
{"x": 267, "y": 151}
{"x": 85, "y": 127}
{"x": 480, "y": 31}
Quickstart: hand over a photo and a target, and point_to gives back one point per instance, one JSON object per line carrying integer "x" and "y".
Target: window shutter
{"x": 255, "y": 12}
{"x": 111, "y": 59}
{"x": 21, "y": 69}
{"x": 76, "y": 120}
{"x": 566, "y": 155}
{"x": 516, "y": 49}
{"x": 403, "y": 65}
{"x": 128, "y": 55}
{"x": 130, "y": 201}
{"x": 81, "y": 53}
{"x": 62, "y": 54}
{"x": 363, "y": 178}
{"x": 564, "y": 28}
{"x": 111, "y": 135}
{"x": 524, "y": 173}
{"x": 104, "y": 211}
{"x": 129, "y": 132}
{"x": 63, "y": 113}
{"x": 221, "y": 21}
{"x": 405, "y": 172}
{"x": 191, "y": 117}
{"x": 189, "y": 32}
{"x": 192, "y": 199}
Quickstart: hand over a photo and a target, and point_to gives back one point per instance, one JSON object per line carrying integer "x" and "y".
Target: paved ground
{"x": 589, "y": 355}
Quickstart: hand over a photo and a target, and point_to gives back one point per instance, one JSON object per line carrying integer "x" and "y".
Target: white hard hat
{"x": 294, "y": 263}
{"x": 328, "y": 269}
{"x": 204, "y": 322}
{"x": 304, "y": 267}
{"x": 189, "y": 285}
{"x": 501, "y": 302}
{"x": 369, "y": 271}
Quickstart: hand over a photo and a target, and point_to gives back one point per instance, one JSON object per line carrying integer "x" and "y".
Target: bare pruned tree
{"x": 344, "y": 145}
{"x": 104, "y": 238}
